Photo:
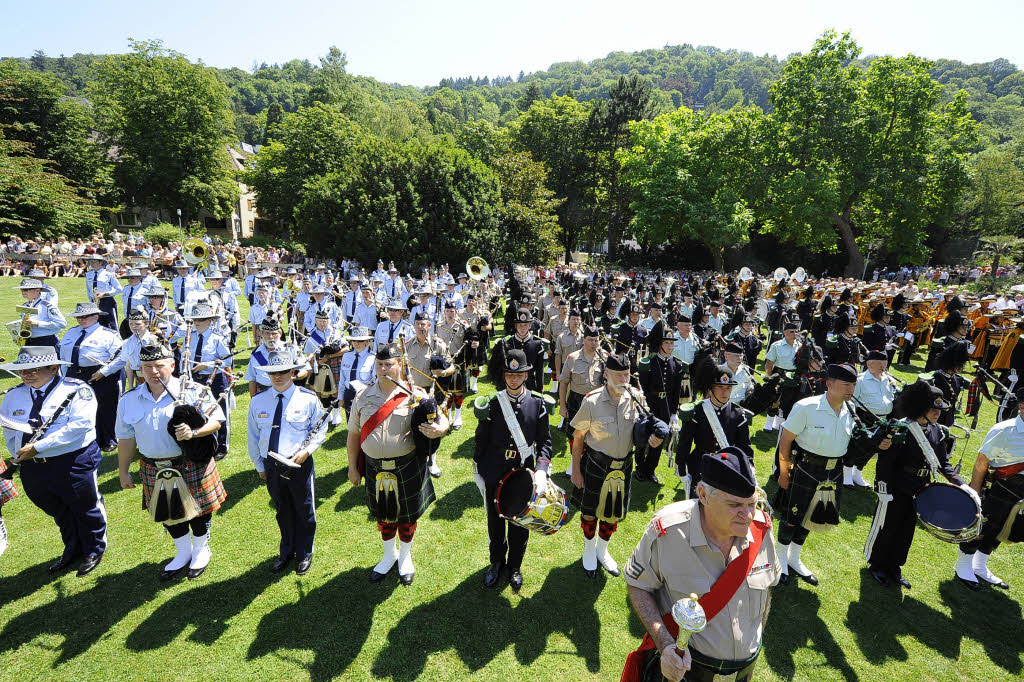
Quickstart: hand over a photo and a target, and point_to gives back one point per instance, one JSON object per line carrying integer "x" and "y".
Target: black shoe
{"x": 167, "y": 576}
{"x": 515, "y": 580}
{"x": 280, "y": 564}
{"x": 219, "y": 456}
{"x": 1001, "y": 584}
{"x": 903, "y": 582}
{"x": 592, "y": 574}
{"x": 194, "y": 573}
{"x": 849, "y": 486}
{"x": 61, "y": 565}
{"x": 880, "y": 577}
{"x": 810, "y": 579}
{"x": 493, "y": 575}
{"x": 406, "y": 579}
{"x": 971, "y": 584}
{"x": 639, "y": 476}
{"x": 90, "y": 562}
{"x": 784, "y": 579}
{"x": 376, "y": 577}
{"x": 302, "y": 568}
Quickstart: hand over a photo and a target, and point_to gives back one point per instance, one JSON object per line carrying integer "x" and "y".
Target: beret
{"x": 617, "y": 363}
{"x": 730, "y": 471}
{"x": 842, "y": 372}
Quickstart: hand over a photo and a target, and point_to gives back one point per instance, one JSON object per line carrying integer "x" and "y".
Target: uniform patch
{"x": 262, "y": 415}
{"x": 633, "y": 569}
{"x": 85, "y": 393}
{"x": 18, "y": 413}
{"x": 659, "y": 527}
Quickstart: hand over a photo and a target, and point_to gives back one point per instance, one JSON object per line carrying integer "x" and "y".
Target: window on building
{"x": 127, "y": 220}
{"x": 250, "y": 204}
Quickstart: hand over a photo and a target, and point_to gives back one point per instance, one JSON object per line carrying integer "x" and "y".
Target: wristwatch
{"x": 195, "y": 433}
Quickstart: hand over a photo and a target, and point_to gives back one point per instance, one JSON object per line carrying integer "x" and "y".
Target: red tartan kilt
{"x": 204, "y": 484}
{"x": 8, "y": 491}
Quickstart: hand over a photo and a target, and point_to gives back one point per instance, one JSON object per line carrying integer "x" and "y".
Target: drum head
{"x": 945, "y": 507}
{"x": 514, "y": 494}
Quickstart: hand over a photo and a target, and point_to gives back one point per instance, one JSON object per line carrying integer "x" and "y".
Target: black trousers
{"x": 892, "y": 533}
{"x": 107, "y": 390}
{"x": 645, "y": 457}
{"x": 108, "y": 304}
{"x": 506, "y": 540}
{"x": 291, "y": 490}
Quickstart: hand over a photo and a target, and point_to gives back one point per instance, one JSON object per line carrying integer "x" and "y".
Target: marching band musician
{"x": 686, "y": 345}
{"x": 128, "y": 359}
{"x": 998, "y": 476}
{"x": 393, "y": 328}
{"x": 825, "y": 320}
{"x": 524, "y": 340}
{"x": 357, "y": 365}
{"x": 453, "y": 297}
{"x": 184, "y": 281}
{"x": 142, "y": 427}
{"x": 710, "y": 425}
{"x": 206, "y": 348}
{"x": 58, "y": 468}
{"x": 47, "y": 321}
{"x": 569, "y": 341}
{"x": 88, "y": 350}
{"x": 901, "y": 473}
{"x": 476, "y": 355}
{"x": 430, "y": 362}
{"x": 875, "y": 391}
{"x": 781, "y": 358}
{"x": 744, "y": 337}
{"x": 661, "y": 378}
{"x": 603, "y": 439}
{"x": 948, "y": 376}
{"x": 512, "y": 416}
{"x": 843, "y": 347}
{"x": 716, "y": 318}
{"x": 319, "y": 303}
{"x": 366, "y": 312}
{"x": 230, "y": 319}
{"x": 707, "y": 535}
{"x": 48, "y": 294}
{"x": 286, "y": 423}
{"x": 351, "y": 300}
{"x": 813, "y": 442}
{"x": 101, "y": 286}
{"x": 393, "y": 284}
{"x": 271, "y": 333}
{"x": 880, "y": 335}
{"x": 900, "y": 320}
{"x": 131, "y": 293}
{"x": 380, "y": 438}
{"x": 318, "y": 335}
{"x": 582, "y": 372}
{"x": 741, "y": 374}
{"x": 630, "y": 337}
{"x": 805, "y": 308}
{"x": 557, "y": 321}
{"x": 262, "y": 307}
{"x": 162, "y": 319}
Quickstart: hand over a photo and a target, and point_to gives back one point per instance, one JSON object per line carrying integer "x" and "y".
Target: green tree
{"x": 856, "y": 154}
{"x": 170, "y": 122}
{"x": 528, "y": 220}
{"x": 999, "y": 246}
{"x": 275, "y": 114}
{"x": 688, "y": 174}
{"x": 996, "y": 200}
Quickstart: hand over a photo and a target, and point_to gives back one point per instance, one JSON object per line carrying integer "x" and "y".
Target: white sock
{"x": 405, "y": 566}
{"x": 336, "y": 416}
{"x": 201, "y": 552}
{"x": 604, "y": 557}
{"x": 794, "y": 559}
{"x": 568, "y": 469}
{"x": 980, "y": 567}
{"x": 390, "y": 556}
{"x": 590, "y": 553}
{"x": 847, "y": 475}
{"x": 3, "y": 535}
{"x": 858, "y": 477}
{"x": 184, "y": 555}
{"x": 458, "y": 417}
{"x": 769, "y": 423}
{"x": 964, "y": 566}
{"x": 783, "y": 552}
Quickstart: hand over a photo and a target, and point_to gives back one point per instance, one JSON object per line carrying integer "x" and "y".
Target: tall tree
{"x": 857, "y": 154}
{"x": 170, "y": 122}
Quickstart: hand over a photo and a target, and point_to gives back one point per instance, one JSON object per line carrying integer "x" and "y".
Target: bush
{"x": 162, "y": 233}
{"x": 265, "y": 241}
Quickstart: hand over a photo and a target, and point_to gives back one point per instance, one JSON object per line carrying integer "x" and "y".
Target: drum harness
{"x": 525, "y": 451}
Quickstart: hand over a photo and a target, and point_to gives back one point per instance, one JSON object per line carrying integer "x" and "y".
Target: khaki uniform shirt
{"x": 452, "y": 336}
{"x": 818, "y": 428}
{"x": 556, "y": 325}
{"x": 674, "y": 559}
{"x": 419, "y": 357}
{"x": 582, "y": 374}
{"x": 392, "y": 438}
{"x": 608, "y": 424}
{"x": 567, "y": 342}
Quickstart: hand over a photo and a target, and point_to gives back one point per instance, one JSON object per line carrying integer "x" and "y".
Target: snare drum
{"x": 518, "y": 500}
{"x": 948, "y": 512}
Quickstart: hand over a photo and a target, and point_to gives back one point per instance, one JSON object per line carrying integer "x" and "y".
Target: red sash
{"x": 373, "y": 422}
{"x": 713, "y": 602}
{"x": 1007, "y": 471}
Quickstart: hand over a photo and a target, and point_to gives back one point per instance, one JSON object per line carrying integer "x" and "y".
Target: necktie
{"x": 181, "y": 291}
{"x": 353, "y": 313}
{"x": 275, "y": 430}
{"x": 355, "y": 368}
{"x": 91, "y": 279}
{"x": 38, "y": 396}
{"x": 75, "y": 348}
{"x": 199, "y": 349}
{"x": 391, "y": 332}
{"x": 391, "y": 289}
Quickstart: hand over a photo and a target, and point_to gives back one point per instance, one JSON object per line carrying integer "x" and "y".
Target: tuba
{"x": 194, "y": 252}
{"x": 800, "y": 274}
{"x": 477, "y": 268}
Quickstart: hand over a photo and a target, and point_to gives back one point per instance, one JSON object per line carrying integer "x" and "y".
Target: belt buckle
{"x": 831, "y": 463}
{"x": 511, "y": 453}
{"x": 162, "y": 463}
{"x": 387, "y": 465}
{"x": 662, "y": 394}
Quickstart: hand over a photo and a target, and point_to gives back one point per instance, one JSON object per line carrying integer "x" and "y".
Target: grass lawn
{"x": 239, "y": 621}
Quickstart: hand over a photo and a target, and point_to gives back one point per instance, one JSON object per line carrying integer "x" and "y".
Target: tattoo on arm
{"x": 646, "y": 610}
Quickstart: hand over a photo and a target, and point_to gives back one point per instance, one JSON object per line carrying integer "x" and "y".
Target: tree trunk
{"x": 996, "y": 256}
{"x": 854, "y": 259}
{"x": 717, "y": 257}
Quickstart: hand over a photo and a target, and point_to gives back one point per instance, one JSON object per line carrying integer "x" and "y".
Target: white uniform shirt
{"x": 300, "y": 416}
{"x": 98, "y": 346}
{"x": 389, "y": 332}
{"x": 309, "y": 322}
{"x": 366, "y": 370}
{"x": 1004, "y": 443}
{"x": 876, "y": 394}
{"x": 366, "y": 316}
{"x": 683, "y": 349}
{"x": 74, "y": 429}
{"x": 100, "y": 281}
{"x": 818, "y": 428}
{"x": 782, "y": 354}
{"x": 141, "y": 417}
{"x": 744, "y": 384}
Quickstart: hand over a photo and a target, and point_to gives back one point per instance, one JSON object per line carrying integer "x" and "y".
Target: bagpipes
{"x": 765, "y": 394}
{"x": 866, "y": 437}
{"x": 189, "y": 413}
{"x": 978, "y": 389}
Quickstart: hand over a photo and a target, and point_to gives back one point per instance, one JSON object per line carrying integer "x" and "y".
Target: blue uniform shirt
{"x": 49, "y": 319}
{"x": 101, "y": 281}
{"x": 74, "y": 429}
{"x": 97, "y": 347}
{"x": 300, "y": 412}
{"x": 141, "y": 417}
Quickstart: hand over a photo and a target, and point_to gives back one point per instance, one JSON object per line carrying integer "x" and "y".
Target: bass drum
{"x": 948, "y": 512}
{"x": 541, "y": 511}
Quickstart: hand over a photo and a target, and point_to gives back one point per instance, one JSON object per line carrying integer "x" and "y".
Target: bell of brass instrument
{"x": 25, "y": 328}
{"x": 194, "y": 252}
{"x": 477, "y": 268}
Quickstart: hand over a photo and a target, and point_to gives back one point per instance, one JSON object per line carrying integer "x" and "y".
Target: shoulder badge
{"x": 85, "y": 393}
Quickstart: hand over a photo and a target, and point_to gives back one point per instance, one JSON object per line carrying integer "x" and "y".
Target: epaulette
{"x": 303, "y": 389}
{"x": 596, "y": 390}
{"x": 548, "y": 399}
{"x": 132, "y": 390}
{"x": 67, "y": 380}
{"x": 672, "y": 515}
{"x": 687, "y": 412}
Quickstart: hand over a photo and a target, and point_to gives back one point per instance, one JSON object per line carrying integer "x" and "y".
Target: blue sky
{"x": 418, "y": 43}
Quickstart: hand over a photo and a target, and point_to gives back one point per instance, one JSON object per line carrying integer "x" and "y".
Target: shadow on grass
{"x": 207, "y": 609}
{"x": 794, "y": 623}
{"x": 238, "y": 485}
{"x": 19, "y": 586}
{"x": 487, "y": 618}
{"x": 988, "y": 617}
{"x": 453, "y": 504}
{"x": 83, "y": 618}
{"x": 309, "y": 623}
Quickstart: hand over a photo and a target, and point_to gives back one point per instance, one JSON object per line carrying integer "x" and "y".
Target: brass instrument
{"x": 25, "y": 329}
{"x": 195, "y": 252}
{"x": 477, "y": 268}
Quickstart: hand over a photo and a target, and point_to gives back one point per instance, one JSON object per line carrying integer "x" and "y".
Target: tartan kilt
{"x": 803, "y": 483}
{"x": 8, "y": 491}
{"x": 203, "y": 483}
{"x": 595, "y": 466}
{"x": 415, "y": 487}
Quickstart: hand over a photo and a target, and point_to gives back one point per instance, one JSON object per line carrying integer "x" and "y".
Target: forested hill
{"x": 701, "y": 77}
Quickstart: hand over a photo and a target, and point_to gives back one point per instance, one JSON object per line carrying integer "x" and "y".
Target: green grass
{"x": 241, "y": 622}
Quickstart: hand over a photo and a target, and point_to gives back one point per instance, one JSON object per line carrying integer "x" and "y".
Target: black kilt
{"x": 573, "y": 401}
{"x": 594, "y": 466}
{"x": 415, "y": 487}
{"x": 803, "y": 483}
{"x": 997, "y": 502}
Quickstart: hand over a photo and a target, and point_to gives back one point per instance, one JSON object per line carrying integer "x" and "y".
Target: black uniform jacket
{"x": 896, "y": 466}
{"x": 877, "y": 335}
{"x": 696, "y": 435}
{"x": 663, "y": 376}
{"x": 495, "y": 454}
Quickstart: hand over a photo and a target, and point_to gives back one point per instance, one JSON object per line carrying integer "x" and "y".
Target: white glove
{"x": 972, "y": 492}
{"x": 687, "y": 481}
{"x": 673, "y": 423}
{"x": 540, "y": 480}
